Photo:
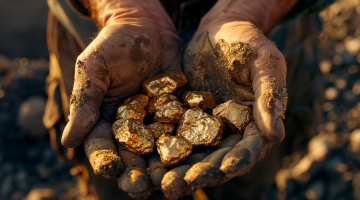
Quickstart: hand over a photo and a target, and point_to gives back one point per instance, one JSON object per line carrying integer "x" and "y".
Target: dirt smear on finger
{"x": 77, "y": 99}
{"x": 100, "y": 64}
{"x": 277, "y": 90}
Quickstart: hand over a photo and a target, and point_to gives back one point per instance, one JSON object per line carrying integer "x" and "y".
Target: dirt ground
{"x": 330, "y": 169}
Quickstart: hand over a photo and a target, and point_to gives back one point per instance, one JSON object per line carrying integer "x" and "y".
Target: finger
{"x": 134, "y": 179}
{"x": 100, "y": 148}
{"x": 90, "y": 85}
{"x": 173, "y": 184}
{"x": 246, "y": 153}
{"x": 230, "y": 141}
{"x": 157, "y": 170}
{"x": 268, "y": 80}
{"x": 207, "y": 172}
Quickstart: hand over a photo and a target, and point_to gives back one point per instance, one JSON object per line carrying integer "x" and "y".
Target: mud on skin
{"x": 224, "y": 63}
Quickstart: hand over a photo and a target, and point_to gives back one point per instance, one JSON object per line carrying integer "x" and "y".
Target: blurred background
{"x": 329, "y": 169}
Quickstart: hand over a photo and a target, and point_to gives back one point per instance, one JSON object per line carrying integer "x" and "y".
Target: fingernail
{"x": 279, "y": 127}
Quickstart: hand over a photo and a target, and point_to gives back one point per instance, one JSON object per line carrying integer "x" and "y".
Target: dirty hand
{"x": 136, "y": 39}
{"x": 230, "y": 56}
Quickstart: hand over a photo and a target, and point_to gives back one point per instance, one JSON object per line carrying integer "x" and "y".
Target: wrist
{"x": 264, "y": 14}
{"x": 106, "y": 12}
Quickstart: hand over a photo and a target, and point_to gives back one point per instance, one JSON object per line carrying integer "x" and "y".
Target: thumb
{"x": 90, "y": 85}
{"x": 268, "y": 80}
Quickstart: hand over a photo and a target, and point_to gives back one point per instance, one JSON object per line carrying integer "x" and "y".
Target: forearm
{"x": 265, "y": 14}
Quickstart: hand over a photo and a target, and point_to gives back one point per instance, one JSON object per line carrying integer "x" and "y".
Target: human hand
{"x": 136, "y": 40}
{"x": 230, "y": 56}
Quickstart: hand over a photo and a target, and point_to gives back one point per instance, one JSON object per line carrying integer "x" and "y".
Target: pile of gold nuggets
{"x": 198, "y": 120}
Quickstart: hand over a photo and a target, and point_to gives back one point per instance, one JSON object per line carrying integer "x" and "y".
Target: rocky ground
{"x": 330, "y": 169}
{"x": 26, "y": 158}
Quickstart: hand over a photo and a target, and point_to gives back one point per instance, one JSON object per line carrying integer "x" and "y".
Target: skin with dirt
{"x": 240, "y": 71}
{"x": 107, "y": 161}
{"x": 102, "y": 152}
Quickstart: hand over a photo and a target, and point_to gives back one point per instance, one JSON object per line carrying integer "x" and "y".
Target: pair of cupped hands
{"x": 137, "y": 40}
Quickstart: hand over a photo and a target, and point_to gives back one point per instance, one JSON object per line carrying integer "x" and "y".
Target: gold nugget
{"x": 190, "y": 116}
{"x": 169, "y": 113}
{"x": 157, "y": 129}
{"x": 173, "y": 149}
{"x": 200, "y": 129}
{"x": 163, "y": 83}
{"x": 234, "y": 114}
{"x": 140, "y": 99}
{"x": 160, "y": 100}
{"x": 130, "y": 111}
{"x": 197, "y": 99}
{"x": 135, "y": 137}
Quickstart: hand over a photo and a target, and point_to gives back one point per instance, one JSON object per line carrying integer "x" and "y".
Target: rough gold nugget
{"x": 163, "y": 83}
{"x": 190, "y": 116}
{"x": 173, "y": 149}
{"x": 130, "y": 111}
{"x": 234, "y": 114}
{"x": 135, "y": 137}
{"x": 160, "y": 100}
{"x": 157, "y": 129}
{"x": 197, "y": 99}
{"x": 169, "y": 113}
{"x": 140, "y": 99}
{"x": 200, "y": 129}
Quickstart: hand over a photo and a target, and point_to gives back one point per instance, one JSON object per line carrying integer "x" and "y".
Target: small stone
{"x": 160, "y": 100}
{"x": 163, "y": 83}
{"x": 130, "y": 111}
{"x": 200, "y": 129}
{"x": 30, "y": 115}
{"x": 140, "y": 99}
{"x": 197, "y": 99}
{"x": 173, "y": 149}
{"x": 234, "y": 114}
{"x": 169, "y": 113}
{"x": 135, "y": 137}
{"x": 157, "y": 129}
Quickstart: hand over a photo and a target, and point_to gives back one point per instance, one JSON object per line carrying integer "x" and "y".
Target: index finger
{"x": 246, "y": 153}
